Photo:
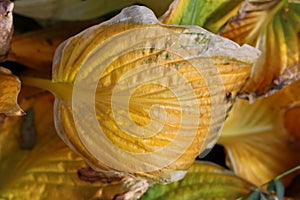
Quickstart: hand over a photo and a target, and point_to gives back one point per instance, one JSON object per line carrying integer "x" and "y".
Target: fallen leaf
{"x": 6, "y": 27}
{"x": 273, "y": 27}
{"x": 49, "y": 170}
{"x": 204, "y": 180}
{"x": 262, "y": 139}
{"x": 9, "y": 90}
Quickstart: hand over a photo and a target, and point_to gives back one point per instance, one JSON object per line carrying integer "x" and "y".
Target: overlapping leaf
{"x": 203, "y": 181}
{"x": 36, "y": 49}
{"x": 9, "y": 90}
{"x": 273, "y": 27}
{"x": 49, "y": 170}
{"x": 211, "y": 15}
{"x": 265, "y": 142}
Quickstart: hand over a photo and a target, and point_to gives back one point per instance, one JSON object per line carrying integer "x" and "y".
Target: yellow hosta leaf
{"x": 9, "y": 90}
{"x": 265, "y": 142}
{"x": 273, "y": 27}
{"x": 49, "y": 169}
{"x": 203, "y": 181}
{"x": 151, "y": 96}
{"x": 81, "y": 10}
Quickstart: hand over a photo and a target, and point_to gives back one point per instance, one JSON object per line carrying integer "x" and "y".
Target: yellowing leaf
{"x": 6, "y": 27}
{"x": 273, "y": 27}
{"x": 212, "y": 14}
{"x": 151, "y": 96}
{"x": 49, "y": 170}
{"x": 203, "y": 181}
{"x": 80, "y": 10}
{"x": 9, "y": 90}
{"x": 262, "y": 139}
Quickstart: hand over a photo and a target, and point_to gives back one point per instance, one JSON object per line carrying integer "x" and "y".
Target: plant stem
{"x": 62, "y": 90}
{"x": 288, "y": 172}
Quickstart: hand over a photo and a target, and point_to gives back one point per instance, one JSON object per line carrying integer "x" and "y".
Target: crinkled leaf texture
{"x": 265, "y": 142}
{"x": 151, "y": 96}
{"x": 271, "y": 26}
{"x": 204, "y": 180}
{"x": 9, "y": 89}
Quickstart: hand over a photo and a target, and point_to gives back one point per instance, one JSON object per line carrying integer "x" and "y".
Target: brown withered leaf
{"x": 6, "y": 27}
{"x": 9, "y": 90}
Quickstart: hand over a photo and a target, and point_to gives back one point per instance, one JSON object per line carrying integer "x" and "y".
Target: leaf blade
{"x": 203, "y": 181}
{"x": 9, "y": 89}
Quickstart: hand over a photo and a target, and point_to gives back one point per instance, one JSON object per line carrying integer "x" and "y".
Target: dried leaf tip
{"x": 6, "y": 27}
{"x": 9, "y": 89}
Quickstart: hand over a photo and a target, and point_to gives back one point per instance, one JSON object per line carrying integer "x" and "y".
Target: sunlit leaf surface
{"x": 160, "y": 94}
{"x": 9, "y": 90}
{"x": 273, "y": 27}
{"x": 262, "y": 139}
{"x": 49, "y": 169}
{"x": 203, "y": 181}
{"x": 211, "y": 15}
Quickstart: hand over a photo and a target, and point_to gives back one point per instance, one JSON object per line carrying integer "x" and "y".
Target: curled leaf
{"x": 273, "y": 27}
{"x": 6, "y": 27}
{"x": 149, "y": 95}
{"x": 9, "y": 89}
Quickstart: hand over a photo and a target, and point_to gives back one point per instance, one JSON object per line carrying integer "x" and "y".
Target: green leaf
{"x": 210, "y": 14}
{"x": 257, "y": 195}
{"x": 276, "y": 186}
{"x": 204, "y": 180}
